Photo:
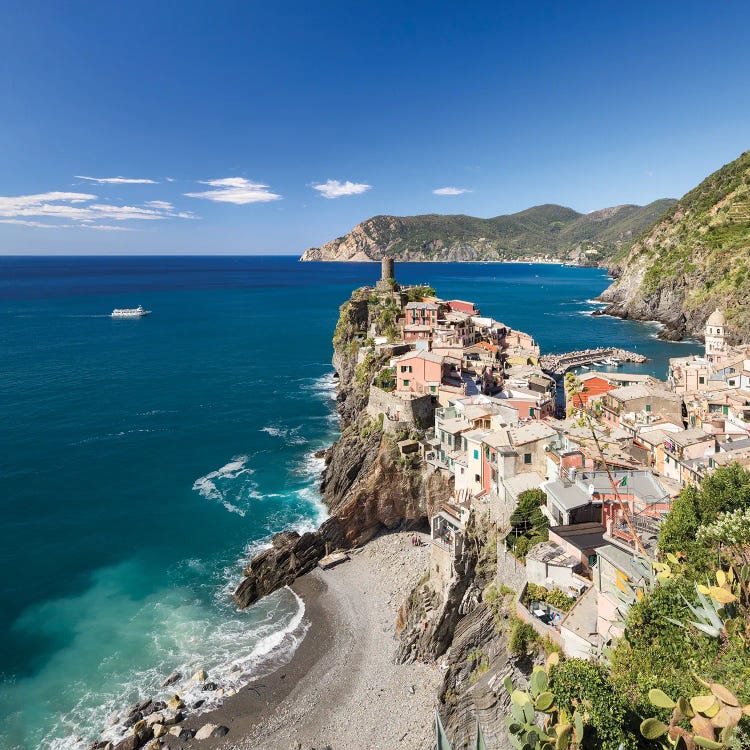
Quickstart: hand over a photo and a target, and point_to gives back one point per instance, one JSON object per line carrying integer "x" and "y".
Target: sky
{"x": 267, "y": 128}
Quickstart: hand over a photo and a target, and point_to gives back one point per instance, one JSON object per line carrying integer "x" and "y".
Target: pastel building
{"x": 421, "y": 314}
{"x": 420, "y": 372}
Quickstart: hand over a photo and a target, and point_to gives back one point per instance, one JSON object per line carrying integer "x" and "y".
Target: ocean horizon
{"x": 145, "y": 461}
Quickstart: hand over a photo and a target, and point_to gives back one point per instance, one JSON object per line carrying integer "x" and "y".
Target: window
{"x": 527, "y": 458}
{"x": 477, "y": 478}
{"x": 648, "y": 408}
{"x": 701, "y": 380}
{"x": 406, "y": 383}
{"x": 531, "y": 411}
{"x": 433, "y": 388}
{"x": 476, "y": 454}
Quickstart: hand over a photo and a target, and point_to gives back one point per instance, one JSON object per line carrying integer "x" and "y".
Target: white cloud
{"x": 26, "y": 210}
{"x": 235, "y": 190}
{"x": 38, "y": 224}
{"x": 117, "y": 180}
{"x": 108, "y": 228}
{"x": 336, "y": 189}
{"x": 451, "y": 191}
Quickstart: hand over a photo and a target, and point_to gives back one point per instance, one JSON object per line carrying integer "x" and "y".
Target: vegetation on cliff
{"x": 695, "y": 259}
{"x": 542, "y": 231}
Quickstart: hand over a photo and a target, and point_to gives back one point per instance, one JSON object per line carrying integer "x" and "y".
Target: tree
{"x": 726, "y": 490}
{"x": 528, "y": 514}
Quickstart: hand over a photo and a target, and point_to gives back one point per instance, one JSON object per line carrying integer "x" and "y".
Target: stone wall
{"x": 415, "y": 412}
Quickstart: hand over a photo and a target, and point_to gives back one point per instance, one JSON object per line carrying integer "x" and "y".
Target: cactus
{"x": 707, "y": 613}
{"x": 558, "y": 730}
{"x": 727, "y": 587}
{"x": 712, "y": 717}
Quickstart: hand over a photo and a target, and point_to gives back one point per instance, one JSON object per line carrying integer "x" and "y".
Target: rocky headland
{"x": 366, "y": 485}
{"x": 695, "y": 259}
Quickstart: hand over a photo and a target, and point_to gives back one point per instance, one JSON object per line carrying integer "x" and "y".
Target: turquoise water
{"x": 143, "y": 461}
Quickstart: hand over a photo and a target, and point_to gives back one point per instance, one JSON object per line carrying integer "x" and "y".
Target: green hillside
{"x": 542, "y": 231}
{"x": 695, "y": 259}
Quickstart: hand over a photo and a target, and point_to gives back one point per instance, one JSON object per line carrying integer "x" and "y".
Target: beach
{"x": 341, "y": 689}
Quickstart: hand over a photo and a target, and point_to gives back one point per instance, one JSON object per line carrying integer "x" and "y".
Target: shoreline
{"x": 340, "y": 688}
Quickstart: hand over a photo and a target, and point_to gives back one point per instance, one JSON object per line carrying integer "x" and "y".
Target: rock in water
{"x": 200, "y": 676}
{"x": 290, "y": 556}
{"x": 172, "y": 679}
{"x": 175, "y": 702}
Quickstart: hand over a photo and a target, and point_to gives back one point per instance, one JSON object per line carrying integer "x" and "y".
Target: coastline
{"x": 341, "y": 687}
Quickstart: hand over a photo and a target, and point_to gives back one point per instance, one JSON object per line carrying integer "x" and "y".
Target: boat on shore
{"x": 130, "y": 312}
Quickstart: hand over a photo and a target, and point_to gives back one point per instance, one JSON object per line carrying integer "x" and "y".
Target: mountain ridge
{"x": 547, "y": 231}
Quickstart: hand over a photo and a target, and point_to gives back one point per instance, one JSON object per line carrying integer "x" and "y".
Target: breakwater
{"x": 559, "y": 364}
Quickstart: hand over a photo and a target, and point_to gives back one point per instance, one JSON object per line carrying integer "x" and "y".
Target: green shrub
{"x": 522, "y": 635}
{"x": 577, "y": 682}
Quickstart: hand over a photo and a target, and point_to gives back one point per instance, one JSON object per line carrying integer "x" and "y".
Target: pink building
{"x": 420, "y": 372}
{"x": 459, "y": 305}
{"x": 421, "y": 314}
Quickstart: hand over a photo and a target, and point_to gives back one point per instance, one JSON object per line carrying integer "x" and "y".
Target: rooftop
{"x": 568, "y": 496}
{"x": 527, "y": 480}
{"x": 627, "y": 562}
{"x": 531, "y": 432}
{"x": 582, "y": 619}
{"x": 685, "y": 438}
{"x": 582, "y": 536}
{"x": 427, "y": 356}
{"x": 421, "y": 306}
{"x": 552, "y": 554}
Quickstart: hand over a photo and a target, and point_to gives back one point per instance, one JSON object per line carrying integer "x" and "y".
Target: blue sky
{"x": 269, "y": 128}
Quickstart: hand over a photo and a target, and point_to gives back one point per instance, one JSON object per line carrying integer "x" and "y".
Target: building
{"x": 640, "y": 404}
{"x": 459, "y": 305}
{"x": 686, "y": 455}
{"x": 716, "y": 342}
{"x": 421, "y": 314}
{"x": 421, "y": 372}
{"x": 446, "y": 542}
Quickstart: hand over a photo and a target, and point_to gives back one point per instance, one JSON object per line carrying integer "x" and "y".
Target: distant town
{"x": 576, "y": 467}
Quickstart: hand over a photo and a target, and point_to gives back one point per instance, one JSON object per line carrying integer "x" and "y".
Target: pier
{"x": 558, "y": 364}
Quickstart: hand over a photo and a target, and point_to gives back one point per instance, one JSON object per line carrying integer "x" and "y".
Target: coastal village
{"x": 545, "y": 480}
{"x": 576, "y": 483}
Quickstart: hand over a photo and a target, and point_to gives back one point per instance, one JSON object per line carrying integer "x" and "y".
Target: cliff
{"x": 542, "y": 232}
{"x": 695, "y": 259}
{"x": 367, "y": 485}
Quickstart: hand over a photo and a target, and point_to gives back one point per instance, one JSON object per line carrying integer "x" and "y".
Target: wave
{"x": 324, "y": 386}
{"x": 118, "y": 435}
{"x": 289, "y": 434}
{"x": 234, "y": 649}
{"x": 218, "y": 485}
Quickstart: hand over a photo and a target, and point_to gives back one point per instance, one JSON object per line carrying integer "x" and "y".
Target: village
{"x": 575, "y": 469}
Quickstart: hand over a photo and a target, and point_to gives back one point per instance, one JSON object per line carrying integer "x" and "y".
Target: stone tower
{"x": 716, "y": 332}
{"x": 387, "y": 278}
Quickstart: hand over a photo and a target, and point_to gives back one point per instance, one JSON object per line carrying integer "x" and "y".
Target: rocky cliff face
{"x": 697, "y": 258}
{"x": 366, "y": 485}
{"x": 469, "y": 629}
{"x": 542, "y": 232}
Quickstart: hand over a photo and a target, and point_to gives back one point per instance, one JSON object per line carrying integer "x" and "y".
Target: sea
{"x": 143, "y": 462}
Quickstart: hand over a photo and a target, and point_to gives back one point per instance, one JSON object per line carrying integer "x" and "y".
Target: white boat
{"x": 130, "y": 312}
